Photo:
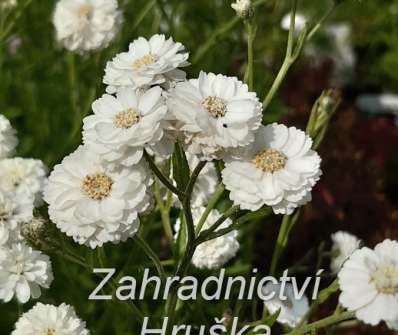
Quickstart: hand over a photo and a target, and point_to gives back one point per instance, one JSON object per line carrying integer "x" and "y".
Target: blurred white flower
{"x": 393, "y": 325}
{"x": 85, "y": 25}
{"x": 23, "y": 271}
{"x": 121, "y": 127}
{"x": 279, "y": 169}
{"x": 215, "y": 113}
{"x": 292, "y": 308}
{"x": 12, "y": 215}
{"x": 148, "y": 62}
{"x": 378, "y": 103}
{"x": 342, "y": 53}
{"x": 93, "y": 203}
{"x": 215, "y": 253}
{"x": 50, "y": 320}
{"x": 23, "y": 177}
{"x": 300, "y": 22}
{"x": 243, "y": 8}
{"x": 8, "y": 138}
{"x": 369, "y": 283}
{"x": 8, "y": 4}
{"x": 344, "y": 244}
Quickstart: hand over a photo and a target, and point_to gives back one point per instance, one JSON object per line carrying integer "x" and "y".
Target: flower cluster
{"x": 98, "y": 192}
{"x": 23, "y": 271}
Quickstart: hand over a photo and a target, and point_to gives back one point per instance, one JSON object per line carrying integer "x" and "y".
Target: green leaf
{"x": 181, "y": 172}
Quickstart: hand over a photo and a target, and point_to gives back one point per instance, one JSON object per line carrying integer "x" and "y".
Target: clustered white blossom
{"x": 23, "y": 271}
{"x": 50, "y": 319}
{"x": 86, "y": 25}
{"x": 95, "y": 203}
{"x": 213, "y": 254}
{"x": 369, "y": 284}
{"x": 278, "y": 169}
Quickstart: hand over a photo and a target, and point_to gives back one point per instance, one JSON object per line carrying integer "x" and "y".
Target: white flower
{"x": 148, "y": 62}
{"x": 369, "y": 283}
{"x": 93, "y": 203}
{"x": 243, "y": 8}
{"x": 393, "y": 325}
{"x": 50, "y": 320}
{"x": 300, "y": 21}
{"x": 292, "y": 307}
{"x": 22, "y": 272}
{"x": 12, "y": 215}
{"x": 344, "y": 244}
{"x": 214, "y": 253}
{"x": 8, "y": 4}
{"x": 279, "y": 169}
{"x": 23, "y": 177}
{"x": 378, "y": 103}
{"x": 84, "y": 25}
{"x": 121, "y": 127}
{"x": 215, "y": 113}
{"x": 8, "y": 139}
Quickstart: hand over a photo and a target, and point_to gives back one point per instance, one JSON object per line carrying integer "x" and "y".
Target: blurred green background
{"x": 45, "y": 91}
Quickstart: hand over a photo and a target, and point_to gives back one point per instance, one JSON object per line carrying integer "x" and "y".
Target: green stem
{"x": 210, "y": 206}
{"x": 208, "y": 233}
{"x": 151, "y": 255}
{"x": 322, "y": 297}
{"x": 287, "y": 62}
{"x": 165, "y": 180}
{"x": 287, "y": 225}
{"x": 251, "y": 32}
{"x": 164, "y": 212}
{"x": 329, "y": 321}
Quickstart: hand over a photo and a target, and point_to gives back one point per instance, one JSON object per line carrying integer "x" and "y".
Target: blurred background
{"x": 45, "y": 91}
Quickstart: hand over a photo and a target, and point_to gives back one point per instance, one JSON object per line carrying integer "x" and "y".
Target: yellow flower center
{"x": 126, "y": 119}
{"x": 97, "y": 186}
{"x": 49, "y": 331}
{"x": 386, "y": 279}
{"x": 270, "y": 160}
{"x": 146, "y": 60}
{"x": 84, "y": 11}
{"x": 215, "y": 106}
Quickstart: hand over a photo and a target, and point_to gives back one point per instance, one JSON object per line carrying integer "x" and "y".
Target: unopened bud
{"x": 322, "y": 111}
{"x": 37, "y": 233}
{"x": 243, "y": 8}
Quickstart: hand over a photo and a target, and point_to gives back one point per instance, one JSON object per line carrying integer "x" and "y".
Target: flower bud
{"x": 37, "y": 233}
{"x": 321, "y": 113}
{"x": 243, "y": 8}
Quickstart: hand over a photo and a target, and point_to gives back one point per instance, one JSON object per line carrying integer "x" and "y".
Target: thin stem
{"x": 151, "y": 255}
{"x": 165, "y": 180}
{"x": 194, "y": 177}
{"x": 251, "y": 32}
{"x": 211, "y": 204}
{"x": 287, "y": 225}
{"x": 329, "y": 321}
{"x": 287, "y": 62}
{"x": 322, "y": 297}
{"x": 164, "y": 212}
{"x": 207, "y": 234}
